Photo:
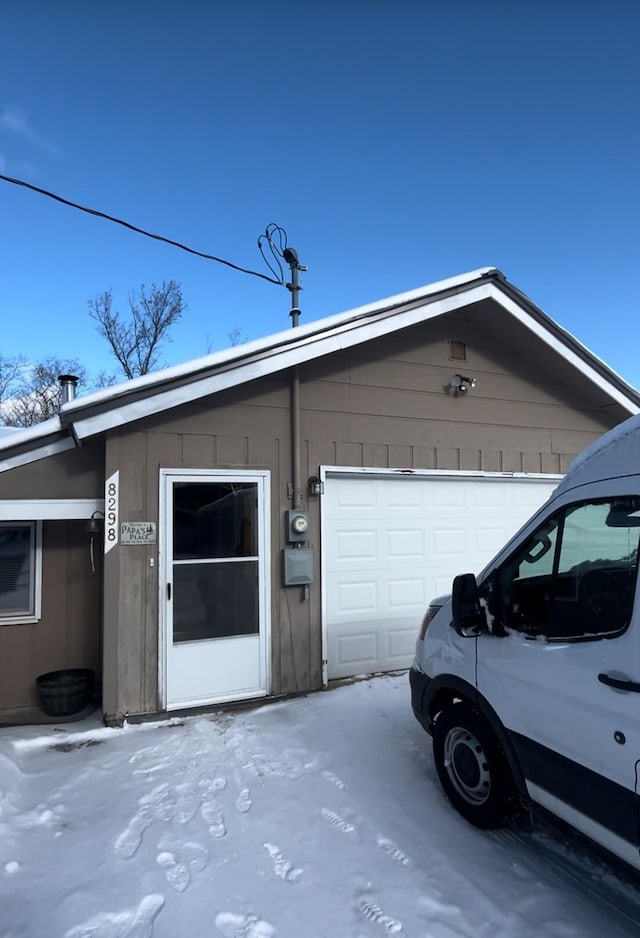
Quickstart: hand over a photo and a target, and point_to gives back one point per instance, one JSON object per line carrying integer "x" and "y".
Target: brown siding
{"x": 387, "y": 403}
{"x": 198, "y": 436}
{"x": 76, "y": 473}
{"x": 68, "y": 633}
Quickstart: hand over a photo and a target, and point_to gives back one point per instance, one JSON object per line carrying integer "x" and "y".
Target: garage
{"x": 392, "y": 541}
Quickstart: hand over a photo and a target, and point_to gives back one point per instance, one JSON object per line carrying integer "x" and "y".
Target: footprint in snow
{"x": 243, "y": 926}
{"x": 128, "y": 842}
{"x": 212, "y": 786}
{"x": 187, "y": 803}
{"x": 336, "y": 821}
{"x": 213, "y": 817}
{"x": 243, "y": 801}
{"x": 178, "y": 864}
{"x": 282, "y": 867}
{"x": 160, "y": 802}
{"x": 132, "y": 923}
{"x": 392, "y": 850}
{"x": 333, "y": 779}
{"x": 374, "y": 914}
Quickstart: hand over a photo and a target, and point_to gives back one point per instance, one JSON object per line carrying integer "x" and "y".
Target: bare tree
{"x": 11, "y": 368}
{"x": 36, "y": 394}
{"x": 236, "y": 336}
{"x": 135, "y": 341}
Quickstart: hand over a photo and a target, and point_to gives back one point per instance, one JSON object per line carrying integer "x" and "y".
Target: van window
{"x": 575, "y": 577}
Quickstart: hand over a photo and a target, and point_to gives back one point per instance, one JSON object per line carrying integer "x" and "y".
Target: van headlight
{"x": 428, "y": 616}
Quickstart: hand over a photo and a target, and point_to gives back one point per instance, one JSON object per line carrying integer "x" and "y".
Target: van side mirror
{"x": 468, "y": 619}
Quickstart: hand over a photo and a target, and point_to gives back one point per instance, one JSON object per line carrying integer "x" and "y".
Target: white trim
{"x": 338, "y": 472}
{"x": 343, "y": 471}
{"x": 37, "y": 580}
{"x": 586, "y": 825}
{"x": 33, "y": 455}
{"x": 263, "y": 478}
{"x": 162, "y": 582}
{"x": 49, "y": 509}
{"x": 562, "y": 349}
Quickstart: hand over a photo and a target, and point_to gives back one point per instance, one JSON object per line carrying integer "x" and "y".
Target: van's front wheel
{"x": 472, "y": 767}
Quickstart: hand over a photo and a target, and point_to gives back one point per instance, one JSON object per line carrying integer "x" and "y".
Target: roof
{"x": 88, "y": 415}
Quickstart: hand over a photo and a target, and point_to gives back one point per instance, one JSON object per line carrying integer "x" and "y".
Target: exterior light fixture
{"x": 460, "y": 384}
{"x": 316, "y": 486}
{"x": 92, "y": 529}
{"x": 93, "y": 524}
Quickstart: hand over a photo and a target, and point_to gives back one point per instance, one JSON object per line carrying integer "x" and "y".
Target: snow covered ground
{"x": 320, "y": 817}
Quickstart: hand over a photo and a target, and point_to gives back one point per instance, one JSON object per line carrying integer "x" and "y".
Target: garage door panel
{"x": 405, "y": 544}
{"x": 355, "y": 597}
{"x": 404, "y": 497}
{"x": 356, "y": 545}
{"x": 354, "y": 650}
{"x": 406, "y": 594}
{"x": 453, "y": 543}
{"x": 390, "y": 544}
{"x": 361, "y": 647}
{"x": 346, "y": 496}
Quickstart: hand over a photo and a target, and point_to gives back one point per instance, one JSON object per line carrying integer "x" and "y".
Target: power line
{"x": 147, "y": 234}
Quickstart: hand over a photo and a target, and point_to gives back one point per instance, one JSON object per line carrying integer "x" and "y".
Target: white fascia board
{"x": 568, "y": 354}
{"x": 316, "y": 346}
{"x": 49, "y": 509}
{"x": 33, "y": 455}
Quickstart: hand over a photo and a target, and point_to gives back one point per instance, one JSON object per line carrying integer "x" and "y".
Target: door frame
{"x": 263, "y": 478}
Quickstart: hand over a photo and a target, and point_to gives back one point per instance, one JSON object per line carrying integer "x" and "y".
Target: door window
{"x": 575, "y": 576}
{"x": 215, "y": 560}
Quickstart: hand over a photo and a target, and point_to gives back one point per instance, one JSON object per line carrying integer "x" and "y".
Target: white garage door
{"x": 391, "y": 544}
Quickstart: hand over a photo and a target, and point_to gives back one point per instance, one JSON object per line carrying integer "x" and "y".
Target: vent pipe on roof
{"x": 69, "y": 384}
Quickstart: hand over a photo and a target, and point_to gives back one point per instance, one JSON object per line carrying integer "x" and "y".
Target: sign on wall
{"x": 138, "y": 532}
{"x": 111, "y": 508}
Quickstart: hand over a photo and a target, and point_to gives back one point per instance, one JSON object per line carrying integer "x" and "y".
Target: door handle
{"x": 619, "y": 683}
{"x": 168, "y": 590}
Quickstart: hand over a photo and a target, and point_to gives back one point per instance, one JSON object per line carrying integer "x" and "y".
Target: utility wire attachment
{"x": 274, "y": 240}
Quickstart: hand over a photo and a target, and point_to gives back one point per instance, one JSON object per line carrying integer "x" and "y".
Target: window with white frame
{"x": 20, "y": 572}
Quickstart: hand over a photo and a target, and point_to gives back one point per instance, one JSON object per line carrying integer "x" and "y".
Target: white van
{"x": 528, "y": 677}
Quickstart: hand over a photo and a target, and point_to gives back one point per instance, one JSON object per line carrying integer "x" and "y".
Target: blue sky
{"x": 397, "y": 143}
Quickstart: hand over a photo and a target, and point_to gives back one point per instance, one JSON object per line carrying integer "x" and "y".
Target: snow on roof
{"x": 15, "y": 436}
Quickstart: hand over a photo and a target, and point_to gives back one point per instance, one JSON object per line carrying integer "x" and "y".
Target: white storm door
{"x": 215, "y": 589}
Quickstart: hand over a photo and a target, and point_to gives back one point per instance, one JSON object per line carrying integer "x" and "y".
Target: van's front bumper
{"x": 419, "y": 683}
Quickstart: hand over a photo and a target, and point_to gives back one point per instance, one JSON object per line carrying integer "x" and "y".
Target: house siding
{"x": 68, "y": 632}
{"x": 77, "y": 473}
